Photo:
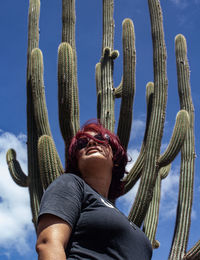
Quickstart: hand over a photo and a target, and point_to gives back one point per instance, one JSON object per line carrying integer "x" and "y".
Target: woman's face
{"x": 93, "y": 155}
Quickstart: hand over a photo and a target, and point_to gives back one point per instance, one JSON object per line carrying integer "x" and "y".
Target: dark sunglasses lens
{"x": 102, "y": 138}
{"x": 81, "y": 143}
{"x": 99, "y": 137}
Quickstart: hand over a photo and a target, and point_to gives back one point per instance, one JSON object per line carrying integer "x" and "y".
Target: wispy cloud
{"x": 176, "y": 1}
{"x": 133, "y": 155}
{"x": 15, "y": 215}
{"x": 169, "y": 194}
{"x": 138, "y": 128}
{"x": 184, "y": 3}
{"x": 124, "y": 203}
{"x": 181, "y": 3}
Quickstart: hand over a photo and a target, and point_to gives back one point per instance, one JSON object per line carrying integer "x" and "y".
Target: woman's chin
{"x": 93, "y": 160}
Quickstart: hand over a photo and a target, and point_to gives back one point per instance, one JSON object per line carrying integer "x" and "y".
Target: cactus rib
{"x": 118, "y": 90}
{"x": 193, "y": 253}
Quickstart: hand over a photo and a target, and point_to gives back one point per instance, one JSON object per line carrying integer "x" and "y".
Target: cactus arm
{"x": 47, "y": 156}
{"x": 40, "y": 109}
{"x": 39, "y": 101}
{"x": 193, "y": 253}
{"x": 128, "y": 89}
{"x": 68, "y": 35}
{"x": 65, "y": 91}
{"x": 136, "y": 170}
{"x": 33, "y": 29}
{"x": 118, "y": 90}
{"x": 155, "y": 132}
{"x": 151, "y": 219}
{"x": 107, "y": 97}
{"x": 98, "y": 88}
{"x": 108, "y": 24}
{"x": 183, "y": 217}
{"x": 107, "y": 116}
{"x": 68, "y": 22}
{"x": 35, "y": 187}
{"x": 179, "y": 133}
{"x": 15, "y": 169}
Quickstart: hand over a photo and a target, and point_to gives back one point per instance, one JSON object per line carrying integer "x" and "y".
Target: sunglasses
{"x": 82, "y": 142}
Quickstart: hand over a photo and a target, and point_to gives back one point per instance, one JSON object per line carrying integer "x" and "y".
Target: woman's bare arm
{"x": 53, "y": 235}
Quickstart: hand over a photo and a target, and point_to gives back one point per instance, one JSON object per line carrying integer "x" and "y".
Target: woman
{"x": 77, "y": 219}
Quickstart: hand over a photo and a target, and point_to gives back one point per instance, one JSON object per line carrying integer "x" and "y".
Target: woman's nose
{"x": 91, "y": 142}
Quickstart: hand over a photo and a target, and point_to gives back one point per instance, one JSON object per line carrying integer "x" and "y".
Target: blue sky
{"x": 17, "y": 237}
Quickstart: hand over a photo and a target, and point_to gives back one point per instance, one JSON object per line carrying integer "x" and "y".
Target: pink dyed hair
{"x": 120, "y": 158}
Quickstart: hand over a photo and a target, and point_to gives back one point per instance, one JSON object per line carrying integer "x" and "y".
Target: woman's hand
{"x": 53, "y": 235}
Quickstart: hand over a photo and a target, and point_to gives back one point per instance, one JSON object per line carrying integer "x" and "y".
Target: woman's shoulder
{"x": 66, "y": 185}
{"x": 66, "y": 180}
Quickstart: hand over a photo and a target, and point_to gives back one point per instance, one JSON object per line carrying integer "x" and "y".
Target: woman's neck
{"x": 99, "y": 181}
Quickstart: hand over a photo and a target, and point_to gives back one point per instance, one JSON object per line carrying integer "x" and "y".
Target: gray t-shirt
{"x": 99, "y": 230}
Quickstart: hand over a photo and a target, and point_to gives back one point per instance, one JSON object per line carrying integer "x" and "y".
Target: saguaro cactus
{"x": 44, "y": 164}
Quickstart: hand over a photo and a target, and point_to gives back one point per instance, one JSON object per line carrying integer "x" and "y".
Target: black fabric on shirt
{"x": 99, "y": 230}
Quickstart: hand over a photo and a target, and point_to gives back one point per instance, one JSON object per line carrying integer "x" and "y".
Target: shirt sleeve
{"x": 63, "y": 198}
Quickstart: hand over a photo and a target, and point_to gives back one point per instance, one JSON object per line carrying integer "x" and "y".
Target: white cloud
{"x": 133, "y": 155}
{"x": 176, "y": 1}
{"x": 163, "y": 147}
{"x": 169, "y": 194}
{"x": 194, "y": 214}
{"x": 180, "y": 3}
{"x": 125, "y": 202}
{"x": 138, "y": 128}
{"x": 15, "y": 215}
{"x": 184, "y": 3}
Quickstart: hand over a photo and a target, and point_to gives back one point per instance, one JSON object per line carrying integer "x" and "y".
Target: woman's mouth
{"x": 92, "y": 150}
